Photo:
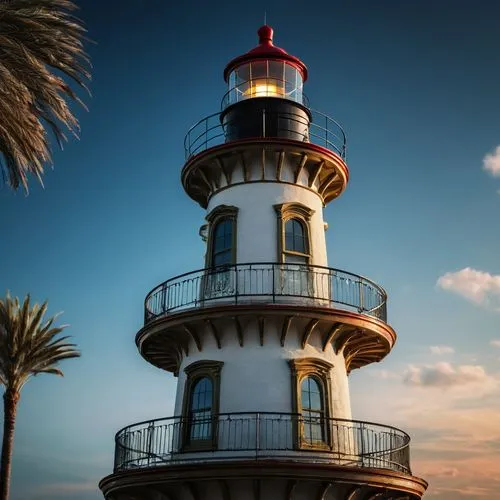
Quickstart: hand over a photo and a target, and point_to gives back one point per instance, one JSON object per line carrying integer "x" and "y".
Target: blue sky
{"x": 415, "y": 85}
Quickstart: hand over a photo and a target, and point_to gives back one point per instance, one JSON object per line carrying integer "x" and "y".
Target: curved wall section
{"x": 257, "y": 225}
{"x": 259, "y": 378}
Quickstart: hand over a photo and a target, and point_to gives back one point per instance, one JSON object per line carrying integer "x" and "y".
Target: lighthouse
{"x": 263, "y": 336}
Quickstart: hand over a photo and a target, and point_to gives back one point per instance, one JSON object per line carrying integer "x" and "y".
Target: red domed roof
{"x": 266, "y": 50}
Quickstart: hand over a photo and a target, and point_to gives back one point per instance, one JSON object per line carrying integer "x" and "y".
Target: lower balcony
{"x": 267, "y": 282}
{"x": 232, "y": 437}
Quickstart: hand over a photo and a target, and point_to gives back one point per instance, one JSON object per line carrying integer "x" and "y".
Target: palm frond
{"x": 28, "y": 344}
{"x": 39, "y": 41}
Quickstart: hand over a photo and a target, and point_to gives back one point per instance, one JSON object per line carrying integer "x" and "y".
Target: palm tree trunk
{"x": 10, "y": 400}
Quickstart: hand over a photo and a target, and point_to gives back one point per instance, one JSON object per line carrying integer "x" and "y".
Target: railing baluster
{"x": 286, "y": 280}
{"x": 263, "y": 434}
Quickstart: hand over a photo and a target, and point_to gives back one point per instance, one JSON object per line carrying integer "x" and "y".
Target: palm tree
{"x": 28, "y": 346}
{"x": 40, "y": 44}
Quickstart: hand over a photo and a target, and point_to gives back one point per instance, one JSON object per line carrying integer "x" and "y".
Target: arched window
{"x": 312, "y": 411}
{"x": 221, "y": 249}
{"x": 293, "y": 233}
{"x": 200, "y": 405}
{"x": 222, "y": 243}
{"x": 200, "y": 410}
{"x": 311, "y": 396}
{"x": 296, "y": 248}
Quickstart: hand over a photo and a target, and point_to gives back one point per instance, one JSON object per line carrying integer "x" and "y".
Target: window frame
{"x": 319, "y": 370}
{"x": 286, "y": 212}
{"x": 220, "y": 214}
{"x": 194, "y": 372}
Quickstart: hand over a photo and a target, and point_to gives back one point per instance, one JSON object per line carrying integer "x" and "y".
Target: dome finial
{"x": 265, "y": 35}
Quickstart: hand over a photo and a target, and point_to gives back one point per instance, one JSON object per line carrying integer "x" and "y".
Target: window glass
{"x": 276, "y": 78}
{"x": 293, "y": 83}
{"x": 295, "y": 236}
{"x": 276, "y": 70}
{"x": 222, "y": 244}
{"x": 242, "y": 73}
{"x": 259, "y": 69}
{"x": 264, "y": 78}
{"x": 312, "y": 411}
{"x": 200, "y": 414}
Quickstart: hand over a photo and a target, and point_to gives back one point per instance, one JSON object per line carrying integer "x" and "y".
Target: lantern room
{"x": 265, "y": 71}
{"x": 265, "y": 93}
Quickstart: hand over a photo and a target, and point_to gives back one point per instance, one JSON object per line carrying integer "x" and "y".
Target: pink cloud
{"x": 479, "y": 287}
{"x": 443, "y": 374}
{"x": 491, "y": 162}
{"x": 441, "y": 349}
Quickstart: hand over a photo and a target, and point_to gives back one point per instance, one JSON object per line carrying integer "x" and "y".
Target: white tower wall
{"x": 257, "y": 378}
{"x": 257, "y": 227}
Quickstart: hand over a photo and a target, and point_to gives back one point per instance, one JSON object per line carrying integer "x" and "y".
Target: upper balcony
{"x": 267, "y": 283}
{"x": 268, "y": 122}
{"x": 262, "y": 435}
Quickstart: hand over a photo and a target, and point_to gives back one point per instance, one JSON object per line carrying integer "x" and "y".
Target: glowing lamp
{"x": 263, "y": 88}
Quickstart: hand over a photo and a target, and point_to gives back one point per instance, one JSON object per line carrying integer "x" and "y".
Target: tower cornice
{"x": 246, "y": 161}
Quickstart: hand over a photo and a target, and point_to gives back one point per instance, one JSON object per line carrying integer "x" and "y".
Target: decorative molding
{"x": 246, "y": 176}
{"x": 195, "y": 371}
{"x": 323, "y": 491}
{"x": 225, "y": 490}
{"x": 284, "y": 330}
{"x": 289, "y": 210}
{"x": 355, "y": 480}
{"x": 239, "y": 330}
{"x": 163, "y": 342}
{"x": 279, "y": 166}
{"x": 191, "y": 486}
{"x": 227, "y": 174}
{"x": 319, "y": 369}
{"x": 222, "y": 211}
{"x": 329, "y": 180}
{"x": 372, "y": 496}
{"x": 353, "y": 493}
{"x": 308, "y": 366}
{"x": 217, "y": 215}
{"x": 256, "y": 489}
{"x": 192, "y": 332}
{"x": 204, "y": 367}
{"x": 308, "y": 331}
{"x": 316, "y": 173}
{"x": 300, "y": 167}
{"x": 332, "y": 333}
{"x": 285, "y": 212}
{"x": 256, "y": 151}
{"x": 205, "y": 179}
{"x": 214, "y": 331}
{"x": 292, "y": 484}
{"x": 261, "y": 330}
{"x": 263, "y": 164}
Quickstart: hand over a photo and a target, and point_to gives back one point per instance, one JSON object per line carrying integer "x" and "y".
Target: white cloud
{"x": 441, "y": 349}
{"x": 445, "y": 375}
{"x": 479, "y": 287}
{"x": 491, "y": 162}
{"x": 495, "y": 343}
{"x": 385, "y": 375}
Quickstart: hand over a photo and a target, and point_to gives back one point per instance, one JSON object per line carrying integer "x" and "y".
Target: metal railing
{"x": 321, "y": 130}
{"x": 262, "y": 435}
{"x": 267, "y": 282}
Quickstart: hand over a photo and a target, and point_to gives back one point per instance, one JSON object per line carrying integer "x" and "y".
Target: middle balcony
{"x": 324, "y": 307}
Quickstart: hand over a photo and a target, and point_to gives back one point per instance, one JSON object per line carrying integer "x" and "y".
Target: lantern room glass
{"x": 264, "y": 78}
